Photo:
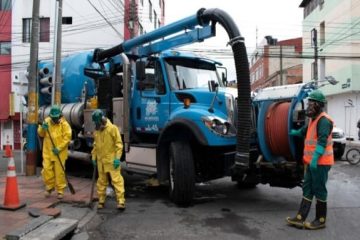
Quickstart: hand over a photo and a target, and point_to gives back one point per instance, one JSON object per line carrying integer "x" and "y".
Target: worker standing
{"x": 318, "y": 159}
{"x": 106, "y": 154}
{"x": 55, "y": 147}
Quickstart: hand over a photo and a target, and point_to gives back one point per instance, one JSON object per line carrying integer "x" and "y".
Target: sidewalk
{"x": 31, "y": 192}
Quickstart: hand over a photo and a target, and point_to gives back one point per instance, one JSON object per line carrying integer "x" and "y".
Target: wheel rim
{"x": 353, "y": 156}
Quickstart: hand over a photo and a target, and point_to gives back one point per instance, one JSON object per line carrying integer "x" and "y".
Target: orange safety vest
{"x": 311, "y": 140}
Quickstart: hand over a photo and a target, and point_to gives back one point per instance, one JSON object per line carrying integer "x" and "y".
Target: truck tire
{"x": 182, "y": 173}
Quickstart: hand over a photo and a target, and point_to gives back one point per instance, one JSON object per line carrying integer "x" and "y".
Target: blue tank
{"x": 72, "y": 72}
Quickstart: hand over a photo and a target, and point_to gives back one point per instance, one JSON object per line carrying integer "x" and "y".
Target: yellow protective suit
{"x": 52, "y": 172}
{"x": 107, "y": 147}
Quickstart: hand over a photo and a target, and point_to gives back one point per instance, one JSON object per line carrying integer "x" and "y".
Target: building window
{"x": 67, "y": 20}
{"x": 322, "y": 33}
{"x": 5, "y": 48}
{"x": 44, "y": 30}
{"x": 159, "y": 24}
{"x": 142, "y": 2}
{"x": 26, "y": 29}
{"x": 141, "y": 29}
{"x": 155, "y": 16}
{"x": 5, "y": 5}
{"x": 150, "y": 10}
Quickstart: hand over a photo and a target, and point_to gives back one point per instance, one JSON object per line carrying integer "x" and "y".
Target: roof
{"x": 304, "y": 3}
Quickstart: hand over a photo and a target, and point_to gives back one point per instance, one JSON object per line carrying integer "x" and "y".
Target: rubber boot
{"x": 320, "y": 218}
{"x": 298, "y": 220}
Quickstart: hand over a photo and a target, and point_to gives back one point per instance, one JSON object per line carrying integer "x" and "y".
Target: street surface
{"x": 222, "y": 211}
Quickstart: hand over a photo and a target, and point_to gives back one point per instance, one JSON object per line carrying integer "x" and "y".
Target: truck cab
{"x": 180, "y": 110}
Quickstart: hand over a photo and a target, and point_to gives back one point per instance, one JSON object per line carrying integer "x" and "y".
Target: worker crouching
{"x": 106, "y": 154}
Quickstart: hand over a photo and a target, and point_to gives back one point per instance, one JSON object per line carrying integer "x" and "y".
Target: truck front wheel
{"x": 182, "y": 173}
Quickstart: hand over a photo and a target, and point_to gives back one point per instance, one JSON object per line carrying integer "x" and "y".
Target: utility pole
{"x": 315, "y": 63}
{"x": 32, "y": 118}
{"x": 132, "y": 18}
{"x": 281, "y": 67}
{"x": 56, "y": 86}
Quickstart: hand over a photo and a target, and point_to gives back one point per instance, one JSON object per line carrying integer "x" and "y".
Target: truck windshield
{"x": 185, "y": 73}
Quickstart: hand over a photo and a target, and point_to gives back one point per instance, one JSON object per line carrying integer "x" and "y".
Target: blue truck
{"x": 179, "y": 121}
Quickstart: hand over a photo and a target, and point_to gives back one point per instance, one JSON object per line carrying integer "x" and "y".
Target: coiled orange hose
{"x": 276, "y": 129}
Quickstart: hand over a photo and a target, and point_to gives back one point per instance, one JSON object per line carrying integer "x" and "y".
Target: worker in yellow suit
{"x": 106, "y": 154}
{"x": 60, "y": 133}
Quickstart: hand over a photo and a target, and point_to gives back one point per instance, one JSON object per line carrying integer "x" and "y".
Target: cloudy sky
{"x": 255, "y": 19}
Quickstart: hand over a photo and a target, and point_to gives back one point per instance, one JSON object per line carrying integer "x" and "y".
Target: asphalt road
{"x": 222, "y": 211}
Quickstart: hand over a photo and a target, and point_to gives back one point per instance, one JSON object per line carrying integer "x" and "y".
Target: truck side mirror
{"x": 213, "y": 86}
{"x": 140, "y": 70}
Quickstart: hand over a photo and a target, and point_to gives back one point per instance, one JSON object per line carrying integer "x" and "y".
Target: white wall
{"x": 345, "y": 114}
{"x": 274, "y": 62}
{"x": 143, "y": 14}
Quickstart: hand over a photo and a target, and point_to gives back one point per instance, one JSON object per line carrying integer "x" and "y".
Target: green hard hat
{"x": 318, "y": 96}
{"x": 55, "y": 111}
{"x": 97, "y": 115}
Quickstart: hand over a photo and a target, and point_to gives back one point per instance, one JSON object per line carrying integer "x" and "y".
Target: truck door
{"x": 151, "y": 101}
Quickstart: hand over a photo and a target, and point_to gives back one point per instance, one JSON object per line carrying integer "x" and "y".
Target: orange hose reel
{"x": 276, "y": 129}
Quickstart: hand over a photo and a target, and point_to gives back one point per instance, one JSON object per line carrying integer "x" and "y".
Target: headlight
{"x": 219, "y": 126}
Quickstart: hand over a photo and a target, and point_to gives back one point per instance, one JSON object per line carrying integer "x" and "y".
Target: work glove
{"x": 93, "y": 162}
{"x": 55, "y": 150}
{"x": 45, "y": 126}
{"x": 116, "y": 163}
{"x": 319, "y": 151}
{"x": 296, "y": 132}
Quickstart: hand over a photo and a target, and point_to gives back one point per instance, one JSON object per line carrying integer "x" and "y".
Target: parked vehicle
{"x": 339, "y": 142}
{"x": 179, "y": 121}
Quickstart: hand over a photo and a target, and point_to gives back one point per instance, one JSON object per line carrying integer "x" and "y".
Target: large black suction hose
{"x": 243, "y": 85}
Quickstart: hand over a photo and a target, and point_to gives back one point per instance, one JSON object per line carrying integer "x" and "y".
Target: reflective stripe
{"x": 310, "y": 142}
{"x": 327, "y": 153}
{"x": 314, "y": 142}
{"x": 11, "y": 173}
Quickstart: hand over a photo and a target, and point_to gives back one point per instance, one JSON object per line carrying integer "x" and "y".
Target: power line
{"x": 105, "y": 19}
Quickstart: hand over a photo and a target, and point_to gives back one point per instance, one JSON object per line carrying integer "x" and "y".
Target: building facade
{"x": 86, "y": 25}
{"x": 276, "y": 63}
{"x": 330, "y": 32}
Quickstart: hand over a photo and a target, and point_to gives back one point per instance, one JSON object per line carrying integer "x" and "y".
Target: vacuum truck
{"x": 179, "y": 121}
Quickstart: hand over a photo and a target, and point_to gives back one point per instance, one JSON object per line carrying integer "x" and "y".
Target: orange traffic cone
{"x": 7, "y": 147}
{"x": 11, "y": 197}
{"x": 7, "y": 150}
